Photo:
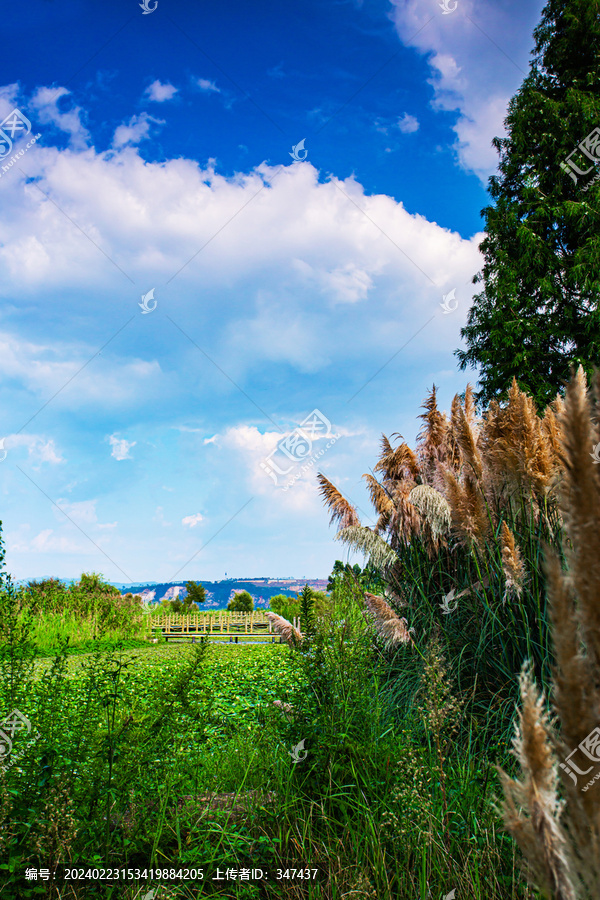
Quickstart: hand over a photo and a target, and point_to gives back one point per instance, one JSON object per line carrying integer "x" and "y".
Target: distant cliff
{"x": 219, "y": 593}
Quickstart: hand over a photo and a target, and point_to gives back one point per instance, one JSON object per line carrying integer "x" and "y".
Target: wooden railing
{"x": 222, "y": 623}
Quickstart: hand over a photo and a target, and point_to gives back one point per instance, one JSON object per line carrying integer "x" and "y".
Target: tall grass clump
{"x": 85, "y": 612}
{"x": 552, "y": 808}
{"x": 461, "y": 523}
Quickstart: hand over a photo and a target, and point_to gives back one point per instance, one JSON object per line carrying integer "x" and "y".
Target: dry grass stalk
{"x": 434, "y": 508}
{"x": 341, "y": 510}
{"x": 405, "y": 522}
{"x": 380, "y": 498}
{"x": 287, "y": 631}
{"x": 531, "y": 809}
{"x": 521, "y": 452}
{"x": 469, "y": 512}
{"x": 363, "y": 538}
{"x": 388, "y": 625}
{"x": 466, "y": 436}
{"x": 432, "y": 437}
{"x": 398, "y": 464}
{"x": 512, "y": 563}
{"x": 562, "y": 841}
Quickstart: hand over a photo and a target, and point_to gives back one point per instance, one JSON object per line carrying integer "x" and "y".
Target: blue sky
{"x": 179, "y": 440}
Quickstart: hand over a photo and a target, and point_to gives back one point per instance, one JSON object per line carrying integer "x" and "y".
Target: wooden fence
{"x": 218, "y": 624}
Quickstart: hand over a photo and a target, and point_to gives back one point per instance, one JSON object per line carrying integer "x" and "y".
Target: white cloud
{"x": 192, "y": 521}
{"x": 289, "y": 249}
{"x": 135, "y": 131}
{"x": 479, "y": 56}
{"x": 82, "y": 512}
{"x": 45, "y": 104}
{"x": 9, "y": 94}
{"x": 205, "y": 85}
{"x": 59, "y": 370}
{"x": 40, "y": 449}
{"x": 48, "y": 541}
{"x": 408, "y": 124}
{"x": 158, "y": 92}
{"x": 120, "y": 447}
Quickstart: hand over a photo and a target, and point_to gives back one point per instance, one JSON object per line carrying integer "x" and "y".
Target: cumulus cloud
{"x": 472, "y": 73}
{"x": 192, "y": 521}
{"x": 120, "y": 447}
{"x": 159, "y": 92}
{"x": 45, "y": 103}
{"x": 137, "y": 129}
{"x": 278, "y": 248}
{"x": 40, "y": 449}
{"x": 408, "y": 124}
{"x": 207, "y": 86}
{"x": 291, "y": 471}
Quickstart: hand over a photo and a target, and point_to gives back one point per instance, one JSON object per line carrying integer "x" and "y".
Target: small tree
{"x": 196, "y": 592}
{"x": 307, "y": 610}
{"x": 242, "y": 602}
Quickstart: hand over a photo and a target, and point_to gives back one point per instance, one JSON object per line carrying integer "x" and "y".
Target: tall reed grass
{"x": 461, "y": 524}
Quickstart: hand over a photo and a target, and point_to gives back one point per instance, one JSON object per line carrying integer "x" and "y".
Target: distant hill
{"x": 218, "y": 593}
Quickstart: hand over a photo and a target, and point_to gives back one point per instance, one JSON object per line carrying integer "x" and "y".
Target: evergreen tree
{"x": 196, "y": 592}
{"x": 307, "y": 610}
{"x": 538, "y": 311}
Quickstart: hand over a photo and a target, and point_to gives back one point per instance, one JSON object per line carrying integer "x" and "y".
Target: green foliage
{"x": 307, "y": 610}
{"x": 3, "y": 575}
{"x": 538, "y": 312}
{"x": 87, "y": 610}
{"x": 241, "y": 602}
{"x": 196, "y": 592}
{"x": 368, "y": 578}
{"x": 288, "y": 607}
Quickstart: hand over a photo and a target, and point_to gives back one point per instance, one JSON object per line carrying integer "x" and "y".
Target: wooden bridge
{"x": 219, "y": 625}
